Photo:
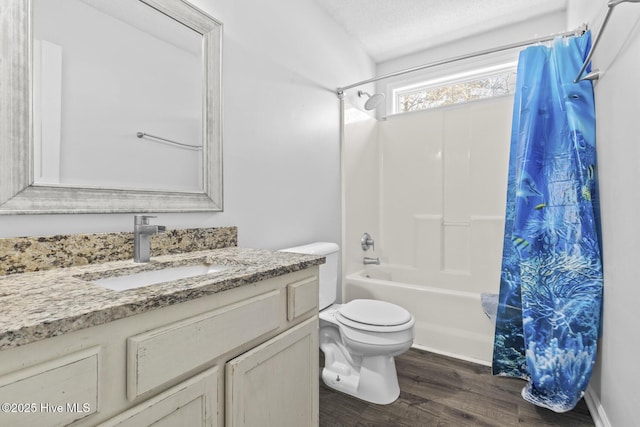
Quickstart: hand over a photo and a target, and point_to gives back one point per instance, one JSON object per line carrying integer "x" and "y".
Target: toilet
{"x": 359, "y": 339}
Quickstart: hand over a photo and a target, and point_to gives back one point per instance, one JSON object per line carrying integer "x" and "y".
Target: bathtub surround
{"x": 27, "y": 254}
{"x": 427, "y": 186}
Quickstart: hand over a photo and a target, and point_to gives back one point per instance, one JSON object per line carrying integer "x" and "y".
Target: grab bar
{"x": 168, "y": 141}
{"x": 595, "y": 74}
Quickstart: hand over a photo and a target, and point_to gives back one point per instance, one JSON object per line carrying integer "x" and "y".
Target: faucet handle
{"x": 142, "y": 219}
{"x": 367, "y": 242}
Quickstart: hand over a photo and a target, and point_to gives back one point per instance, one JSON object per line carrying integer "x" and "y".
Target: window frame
{"x": 470, "y": 74}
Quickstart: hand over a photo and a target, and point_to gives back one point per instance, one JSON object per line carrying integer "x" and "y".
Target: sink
{"x": 154, "y": 277}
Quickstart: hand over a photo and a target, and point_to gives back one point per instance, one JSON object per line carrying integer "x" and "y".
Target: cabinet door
{"x": 276, "y": 383}
{"x": 193, "y": 403}
{"x": 54, "y": 393}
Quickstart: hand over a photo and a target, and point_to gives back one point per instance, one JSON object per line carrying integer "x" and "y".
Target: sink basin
{"x": 154, "y": 277}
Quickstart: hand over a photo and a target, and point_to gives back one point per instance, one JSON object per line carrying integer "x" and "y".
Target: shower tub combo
{"x": 448, "y": 321}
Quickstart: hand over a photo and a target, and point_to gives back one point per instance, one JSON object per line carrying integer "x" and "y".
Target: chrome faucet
{"x": 367, "y": 261}
{"x": 367, "y": 242}
{"x": 142, "y": 232}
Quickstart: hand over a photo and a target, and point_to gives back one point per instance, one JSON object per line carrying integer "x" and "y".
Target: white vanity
{"x": 237, "y": 347}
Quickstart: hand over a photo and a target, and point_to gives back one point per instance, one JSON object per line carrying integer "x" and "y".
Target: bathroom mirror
{"x": 109, "y": 106}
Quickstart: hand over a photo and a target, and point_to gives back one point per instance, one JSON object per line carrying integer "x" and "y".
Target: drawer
{"x": 302, "y": 297}
{"x": 161, "y": 355}
{"x": 53, "y": 393}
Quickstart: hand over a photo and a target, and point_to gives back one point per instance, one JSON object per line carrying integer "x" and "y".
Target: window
{"x": 457, "y": 89}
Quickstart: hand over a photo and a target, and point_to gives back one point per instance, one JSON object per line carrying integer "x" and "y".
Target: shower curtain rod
{"x": 578, "y": 31}
{"x": 596, "y": 73}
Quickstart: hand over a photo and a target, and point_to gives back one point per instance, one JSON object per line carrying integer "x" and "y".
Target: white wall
{"x": 540, "y": 26}
{"x": 617, "y": 95}
{"x": 282, "y": 62}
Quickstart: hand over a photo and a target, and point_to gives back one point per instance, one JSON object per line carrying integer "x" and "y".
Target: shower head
{"x": 373, "y": 101}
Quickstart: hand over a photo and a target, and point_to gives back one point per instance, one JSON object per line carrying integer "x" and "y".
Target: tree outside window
{"x": 456, "y": 92}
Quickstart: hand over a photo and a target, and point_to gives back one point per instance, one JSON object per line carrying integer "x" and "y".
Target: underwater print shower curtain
{"x": 551, "y": 280}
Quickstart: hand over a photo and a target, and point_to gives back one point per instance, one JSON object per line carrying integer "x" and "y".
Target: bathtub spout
{"x": 367, "y": 261}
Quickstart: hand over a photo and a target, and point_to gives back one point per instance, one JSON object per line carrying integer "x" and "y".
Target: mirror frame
{"x": 19, "y": 195}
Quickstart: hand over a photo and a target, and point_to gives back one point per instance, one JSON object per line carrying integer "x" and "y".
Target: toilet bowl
{"x": 359, "y": 350}
{"x": 359, "y": 339}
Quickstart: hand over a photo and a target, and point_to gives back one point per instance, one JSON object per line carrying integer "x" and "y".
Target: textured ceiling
{"x": 391, "y": 28}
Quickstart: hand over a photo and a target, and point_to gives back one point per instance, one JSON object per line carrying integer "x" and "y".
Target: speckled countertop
{"x": 43, "y": 304}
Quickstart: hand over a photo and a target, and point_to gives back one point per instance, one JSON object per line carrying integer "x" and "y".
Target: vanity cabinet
{"x": 247, "y": 356}
{"x": 276, "y": 383}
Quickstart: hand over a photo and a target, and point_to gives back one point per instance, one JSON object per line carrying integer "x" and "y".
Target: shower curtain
{"x": 551, "y": 280}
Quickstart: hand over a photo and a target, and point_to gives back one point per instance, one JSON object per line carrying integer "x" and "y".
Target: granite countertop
{"x": 44, "y": 304}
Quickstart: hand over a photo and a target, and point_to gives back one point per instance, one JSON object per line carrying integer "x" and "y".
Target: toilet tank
{"x": 328, "y": 271}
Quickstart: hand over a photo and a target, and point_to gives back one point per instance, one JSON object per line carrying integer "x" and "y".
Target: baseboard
{"x": 454, "y": 355}
{"x": 595, "y": 408}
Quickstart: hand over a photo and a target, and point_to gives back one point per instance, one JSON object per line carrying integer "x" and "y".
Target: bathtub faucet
{"x": 367, "y": 261}
{"x": 366, "y": 241}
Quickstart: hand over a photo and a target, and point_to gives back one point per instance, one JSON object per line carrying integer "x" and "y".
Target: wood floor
{"x": 440, "y": 391}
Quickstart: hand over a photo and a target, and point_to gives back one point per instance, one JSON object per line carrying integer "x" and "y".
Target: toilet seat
{"x": 374, "y": 316}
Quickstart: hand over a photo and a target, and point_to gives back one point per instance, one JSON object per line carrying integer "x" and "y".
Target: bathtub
{"x": 449, "y": 322}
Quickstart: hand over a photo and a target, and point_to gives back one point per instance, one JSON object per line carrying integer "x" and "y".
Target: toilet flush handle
{"x": 367, "y": 242}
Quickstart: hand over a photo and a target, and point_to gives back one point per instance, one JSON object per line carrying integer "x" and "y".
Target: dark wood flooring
{"x": 441, "y": 391}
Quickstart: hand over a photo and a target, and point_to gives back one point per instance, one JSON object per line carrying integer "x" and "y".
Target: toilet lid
{"x": 374, "y": 312}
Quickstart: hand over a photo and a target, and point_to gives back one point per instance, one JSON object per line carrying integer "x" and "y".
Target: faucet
{"x": 367, "y": 261}
{"x": 142, "y": 232}
{"x": 367, "y": 242}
